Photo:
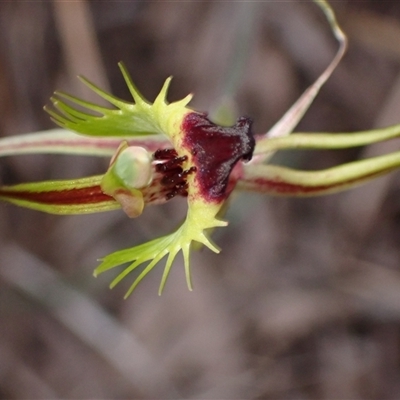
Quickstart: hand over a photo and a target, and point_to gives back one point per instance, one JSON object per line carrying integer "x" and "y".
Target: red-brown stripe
{"x": 86, "y": 195}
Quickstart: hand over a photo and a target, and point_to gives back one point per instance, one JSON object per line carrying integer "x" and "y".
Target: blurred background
{"x": 304, "y": 300}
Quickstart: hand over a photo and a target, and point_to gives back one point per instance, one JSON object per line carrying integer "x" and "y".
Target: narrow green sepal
{"x": 285, "y": 181}
{"x": 76, "y": 196}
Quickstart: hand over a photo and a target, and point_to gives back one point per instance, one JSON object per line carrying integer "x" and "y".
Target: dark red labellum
{"x": 216, "y": 150}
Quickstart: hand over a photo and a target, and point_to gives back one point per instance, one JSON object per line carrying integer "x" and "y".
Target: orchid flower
{"x": 161, "y": 150}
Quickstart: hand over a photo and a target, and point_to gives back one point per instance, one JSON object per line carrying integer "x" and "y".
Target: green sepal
{"x": 274, "y": 179}
{"x": 76, "y": 196}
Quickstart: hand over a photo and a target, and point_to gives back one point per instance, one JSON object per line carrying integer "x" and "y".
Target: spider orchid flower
{"x": 162, "y": 150}
{"x": 175, "y": 151}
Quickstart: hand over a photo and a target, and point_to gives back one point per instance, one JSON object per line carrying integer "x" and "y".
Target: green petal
{"x": 77, "y": 196}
